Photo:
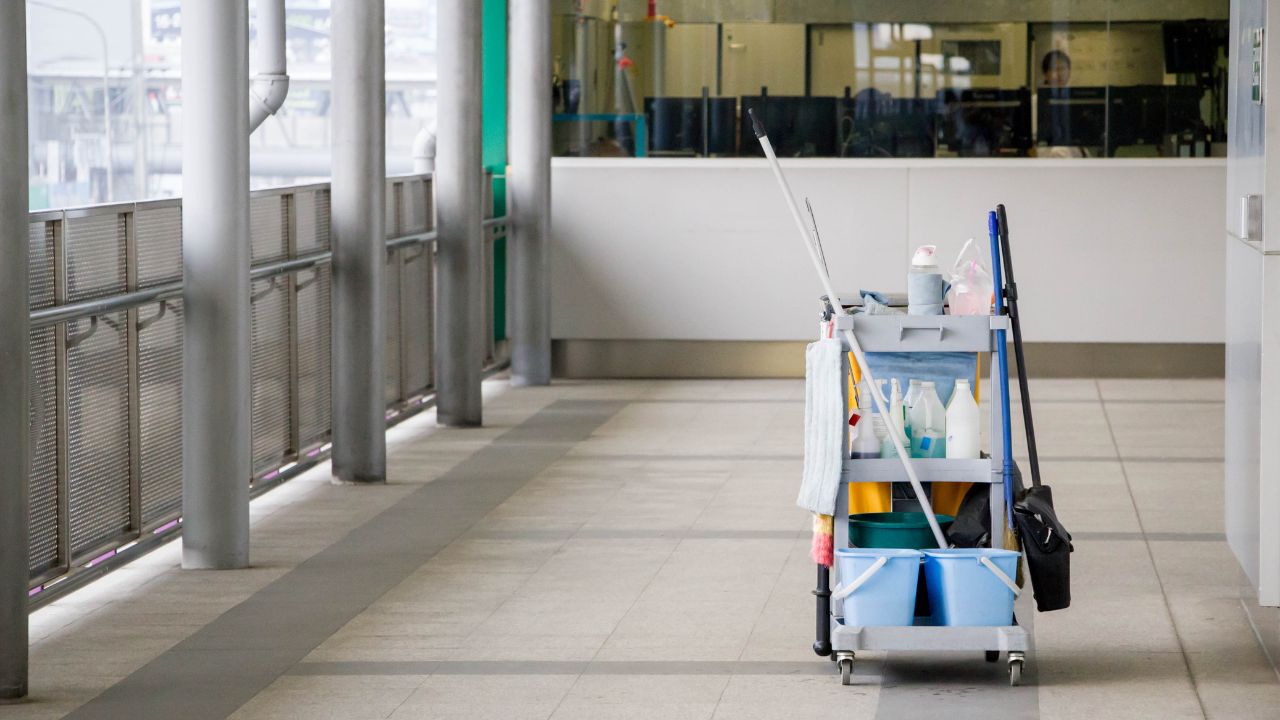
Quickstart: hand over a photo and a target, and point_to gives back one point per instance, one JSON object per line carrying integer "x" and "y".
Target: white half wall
{"x": 1104, "y": 250}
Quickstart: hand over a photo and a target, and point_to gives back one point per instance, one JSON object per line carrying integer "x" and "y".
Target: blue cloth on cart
{"x": 941, "y": 368}
{"x": 926, "y": 293}
{"x": 875, "y": 303}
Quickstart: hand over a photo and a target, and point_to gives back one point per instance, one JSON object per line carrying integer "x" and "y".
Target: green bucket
{"x": 906, "y": 530}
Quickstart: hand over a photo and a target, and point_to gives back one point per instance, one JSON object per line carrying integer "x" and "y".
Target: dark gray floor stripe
{"x": 638, "y": 534}
{"x": 1151, "y": 536}
{"x": 229, "y": 661}
{"x": 959, "y": 686}
{"x": 556, "y": 667}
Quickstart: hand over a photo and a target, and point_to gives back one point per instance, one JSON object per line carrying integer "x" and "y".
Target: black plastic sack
{"x": 1047, "y": 547}
{"x": 972, "y": 526}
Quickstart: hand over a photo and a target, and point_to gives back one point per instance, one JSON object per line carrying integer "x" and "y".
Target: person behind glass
{"x": 1055, "y": 69}
{"x": 1055, "y": 72}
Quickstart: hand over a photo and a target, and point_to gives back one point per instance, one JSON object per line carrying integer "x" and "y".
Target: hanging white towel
{"x": 824, "y": 427}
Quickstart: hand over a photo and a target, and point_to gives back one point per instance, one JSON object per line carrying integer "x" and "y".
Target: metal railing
{"x": 106, "y": 353}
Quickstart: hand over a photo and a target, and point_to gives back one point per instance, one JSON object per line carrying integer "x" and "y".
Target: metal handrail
{"x": 46, "y": 317}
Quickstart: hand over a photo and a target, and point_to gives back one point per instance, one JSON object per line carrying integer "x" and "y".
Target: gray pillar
{"x": 529, "y": 189}
{"x": 359, "y": 241}
{"x": 216, "y": 463}
{"x": 460, "y": 342}
{"x": 14, "y": 352}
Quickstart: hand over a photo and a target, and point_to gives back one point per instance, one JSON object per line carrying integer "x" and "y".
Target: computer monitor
{"x": 1147, "y": 114}
{"x": 985, "y": 123}
{"x": 1191, "y": 46}
{"x": 875, "y": 124}
{"x": 1072, "y": 117}
{"x": 676, "y": 125}
{"x": 797, "y": 126}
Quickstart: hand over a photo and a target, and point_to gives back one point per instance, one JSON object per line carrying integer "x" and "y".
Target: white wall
{"x": 1104, "y": 250}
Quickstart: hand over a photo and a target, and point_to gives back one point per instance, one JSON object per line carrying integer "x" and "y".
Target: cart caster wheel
{"x": 846, "y": 671}
{"x": 1015, "y": 672}
{"x": 993, "y": 656}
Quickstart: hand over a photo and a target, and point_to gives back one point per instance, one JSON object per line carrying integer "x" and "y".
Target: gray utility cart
{"x": 928, "y": 333}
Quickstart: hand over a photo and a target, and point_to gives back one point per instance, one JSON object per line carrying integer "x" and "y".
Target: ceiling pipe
{"x": 270, "y": 86}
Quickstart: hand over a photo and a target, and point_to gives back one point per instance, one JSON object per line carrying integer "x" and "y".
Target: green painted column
{"x": 494, "y": 139}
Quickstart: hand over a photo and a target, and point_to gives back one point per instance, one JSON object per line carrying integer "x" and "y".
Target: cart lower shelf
{"x": 848, "y": 639}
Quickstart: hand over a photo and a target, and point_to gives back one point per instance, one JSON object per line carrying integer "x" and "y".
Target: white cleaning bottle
{"x": 865, "y": 443}
{"x": 962, "y": 423}
{"x": 897, "y": 421}
{"x": 913, "y": 394}
{"x": 928, "y": 424}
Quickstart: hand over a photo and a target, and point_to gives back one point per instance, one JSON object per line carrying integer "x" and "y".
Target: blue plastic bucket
{"x": 883, "y": 583}
{"x": 965, "y": 590}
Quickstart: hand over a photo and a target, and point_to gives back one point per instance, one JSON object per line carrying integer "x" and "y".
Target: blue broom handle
{"x": 1002, "y": 352}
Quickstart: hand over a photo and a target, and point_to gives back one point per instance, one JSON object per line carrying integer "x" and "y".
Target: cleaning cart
{"x": 922, "y": 333}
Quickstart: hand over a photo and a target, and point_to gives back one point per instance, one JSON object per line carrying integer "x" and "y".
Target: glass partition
{"x": 910, "y": 79}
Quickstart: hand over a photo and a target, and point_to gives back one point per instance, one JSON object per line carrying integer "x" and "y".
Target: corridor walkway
{"x": 632, "y": 550}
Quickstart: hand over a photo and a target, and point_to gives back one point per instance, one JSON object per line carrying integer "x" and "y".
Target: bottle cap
{"x": 924, "y": 256}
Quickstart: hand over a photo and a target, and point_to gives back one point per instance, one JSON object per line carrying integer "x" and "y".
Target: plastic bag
{"x": 971, "y": 283}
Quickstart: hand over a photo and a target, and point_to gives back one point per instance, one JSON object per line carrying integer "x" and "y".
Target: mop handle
{"x": 838, "y": 309}
{"x": 1002, "y": 353}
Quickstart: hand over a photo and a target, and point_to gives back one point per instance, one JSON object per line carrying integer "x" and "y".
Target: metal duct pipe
{"x": 270, "y": 86}
{"x": 529, "y": 189}
{"x": 216, "y": 464}
{"x": 460, "y": 341}
{"x": 424, "y": 151}
{"x": 14, "y": 352}
{"x": 358, "y": 229}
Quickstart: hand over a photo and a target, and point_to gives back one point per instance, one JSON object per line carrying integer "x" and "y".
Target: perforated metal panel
{"x": 95, "y": 255}
{"x": 267, "y": 226}
{"x": 415, "y": 318}
{"x": 160, "y": 412}
{"x": 391, "y": 318}
{"x": 270, "y": 374}
{"x": 313, "y": 360}
{"x": 158, "y": 233}
{"x": 311, "y": 210}
{"x": 43, "y": 511}
{"x": 391, "y": 209}
{"x": 413, "y": 208}
{"x": 40, "y": 265}
{"x": 98, "y": 433}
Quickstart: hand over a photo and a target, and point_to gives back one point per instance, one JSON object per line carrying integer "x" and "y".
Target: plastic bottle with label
{"x": 963, "y": 433}
{"x": 897, "y": 419}
{"x": 908, "y": 402}
{"x": 928, "y": 424}
{"x": 925, "y": 286}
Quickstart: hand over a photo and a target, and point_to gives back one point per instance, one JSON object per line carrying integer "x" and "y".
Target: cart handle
{"x": 920, "y": 322}
{"x": 1008, "y": 582}
{"x": 843, "y": 591}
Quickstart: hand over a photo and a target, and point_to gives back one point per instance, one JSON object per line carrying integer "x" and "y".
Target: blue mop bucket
{"x": 877, "y": 586}
{"x": 971, "y": 586}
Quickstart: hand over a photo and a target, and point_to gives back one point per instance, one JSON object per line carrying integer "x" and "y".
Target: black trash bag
{"x": 972, "y": 526}
{"x": 1047, "y": 547}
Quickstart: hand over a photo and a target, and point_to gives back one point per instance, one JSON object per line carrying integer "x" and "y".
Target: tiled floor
{"x": 632, "y": 550}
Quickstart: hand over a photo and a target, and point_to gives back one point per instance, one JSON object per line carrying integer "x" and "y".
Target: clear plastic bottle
{"x": 897, "y": 419}
{"x": 924, "y": 283}
{"x": 928, "y": 424}
{"x": 913, "y": 394}
{"x": 865, "y": 444}
{"x": 963, "y": 432}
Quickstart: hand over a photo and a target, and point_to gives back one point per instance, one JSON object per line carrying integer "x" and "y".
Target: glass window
{"x": 84, "y": 150}
{"x": 911, "y": 79}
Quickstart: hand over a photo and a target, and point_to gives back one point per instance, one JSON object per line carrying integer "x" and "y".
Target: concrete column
{"x": 216, "y": 464}
{"x": 460, "y": 342}
{"x": 359, "y": 241}
{"x": 14, "y": 351}
{"x": 529, "y": 189}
